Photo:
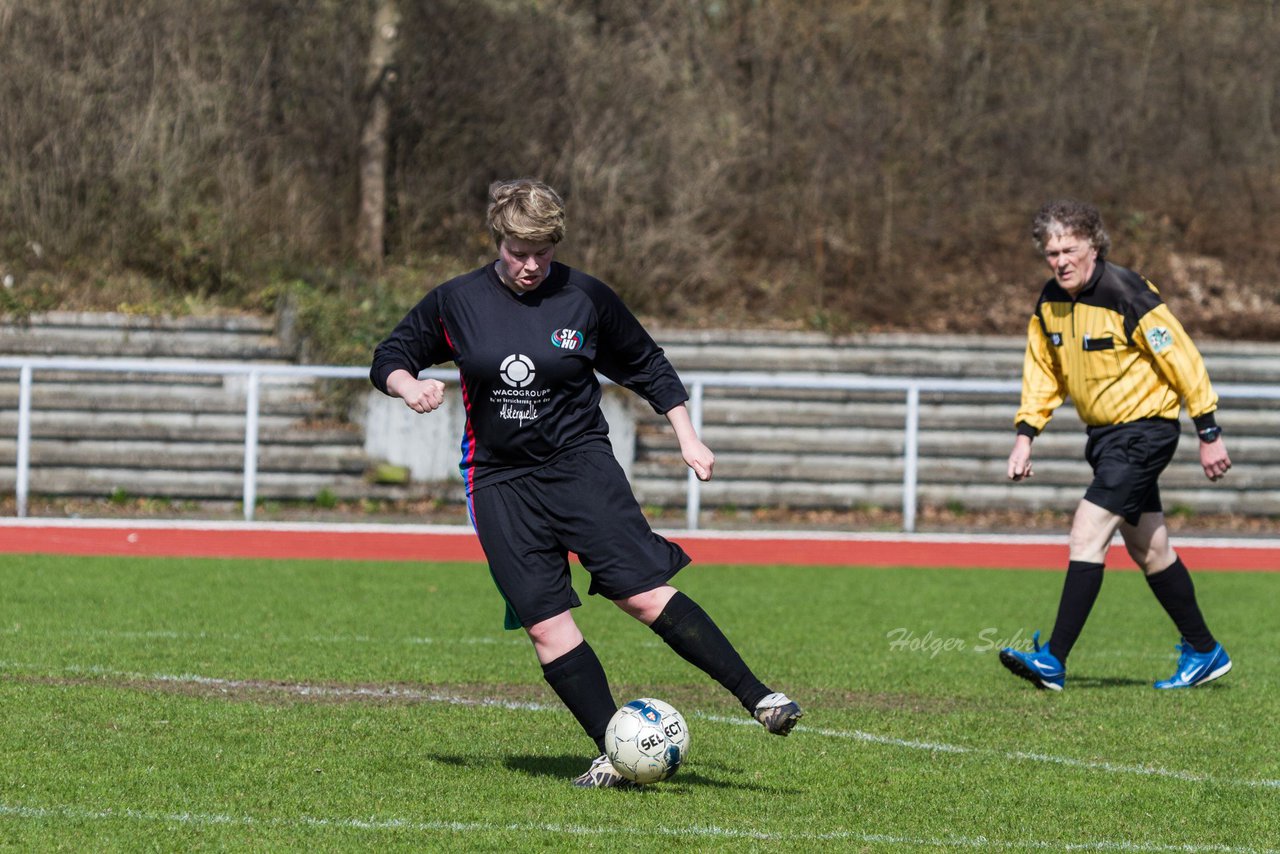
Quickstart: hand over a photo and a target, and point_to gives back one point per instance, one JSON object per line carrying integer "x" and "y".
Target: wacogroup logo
{"x": 517, "y": 370}
{"x": 567, "y": 339}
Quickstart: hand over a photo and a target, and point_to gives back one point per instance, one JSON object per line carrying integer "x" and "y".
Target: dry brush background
{"x": 868, "y": 164}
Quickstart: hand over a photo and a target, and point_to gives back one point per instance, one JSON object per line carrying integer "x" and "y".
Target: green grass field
{"x": 183, "y": 705}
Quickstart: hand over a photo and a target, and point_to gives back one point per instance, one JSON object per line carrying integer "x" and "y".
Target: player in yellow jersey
{"x": 1101, "y": 335}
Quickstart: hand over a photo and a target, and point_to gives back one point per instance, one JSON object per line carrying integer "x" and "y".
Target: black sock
{"x": 578, "y": 679}
{"x": 1079, "y": 591}
{"x": 1177, "y": 595}
{"x": 687, "y": 629}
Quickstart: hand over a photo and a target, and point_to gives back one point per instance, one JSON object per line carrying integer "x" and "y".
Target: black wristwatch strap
{"x": 1210, "y": 434}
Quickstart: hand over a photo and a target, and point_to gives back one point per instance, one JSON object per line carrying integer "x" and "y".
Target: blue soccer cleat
{"x": 1197, "y": 668}
{"x": 1041, "y": 668}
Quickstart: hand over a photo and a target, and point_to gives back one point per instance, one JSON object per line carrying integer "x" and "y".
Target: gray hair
{"x": 1068, "y": 216}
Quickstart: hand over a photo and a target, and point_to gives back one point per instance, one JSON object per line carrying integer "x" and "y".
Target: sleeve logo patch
{"x": 1160, "y": 339}
{"x": 567, "y": 339}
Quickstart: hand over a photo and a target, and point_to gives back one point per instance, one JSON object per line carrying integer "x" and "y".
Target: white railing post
{"x": 910, "y": 459}
{"x": 251, "y": 445}
{"x": 22, "y": 475}
{"x": 693, "y": 493}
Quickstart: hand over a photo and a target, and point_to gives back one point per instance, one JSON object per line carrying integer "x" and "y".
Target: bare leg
{"x": 1091, "y": 531}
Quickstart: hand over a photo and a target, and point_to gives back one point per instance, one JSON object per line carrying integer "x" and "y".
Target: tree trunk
{"x": 381, "y": 74}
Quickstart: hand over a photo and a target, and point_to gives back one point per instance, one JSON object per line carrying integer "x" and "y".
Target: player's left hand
{"x": 698, "y": 457}
{"x": 1214, "y": 459}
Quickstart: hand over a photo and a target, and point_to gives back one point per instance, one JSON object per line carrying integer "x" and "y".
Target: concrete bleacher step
{"x": 888, "y": 411}
{"x": 859, "y": 494}
{"x": 188, "y": 456}
{"x": 915, "y": 355}
{"x": 113, "y": 335}
{"x": 204, "y": 485}
{"x": 195, "y": 401}
{"x": 323, "y": 441}
{"x": 862, "y": 441}
{"x": 882, "y": 355}
{"x": 170, "y": 426}
{"x": 1183, "y": 473}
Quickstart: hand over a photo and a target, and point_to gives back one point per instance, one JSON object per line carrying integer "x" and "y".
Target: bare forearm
{"x": 697, "y": 455}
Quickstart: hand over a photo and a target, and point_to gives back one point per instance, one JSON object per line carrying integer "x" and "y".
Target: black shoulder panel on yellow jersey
{"x": 1125, "y": 292}
{"x": 1051, "y": 292}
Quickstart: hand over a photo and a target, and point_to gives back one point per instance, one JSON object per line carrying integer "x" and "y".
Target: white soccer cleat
{"x": 602, "y": 775}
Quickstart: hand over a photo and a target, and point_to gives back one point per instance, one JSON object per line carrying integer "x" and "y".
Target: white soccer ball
{"x": 647, "y": 740}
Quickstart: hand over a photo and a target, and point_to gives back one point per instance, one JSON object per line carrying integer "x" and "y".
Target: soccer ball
{"x": 647, "y": 740}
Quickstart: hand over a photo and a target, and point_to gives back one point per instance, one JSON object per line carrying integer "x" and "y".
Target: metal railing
{"x": 910, "y": 388}
{"x": 253, "y": 374}
{"x": 696, "y": 382}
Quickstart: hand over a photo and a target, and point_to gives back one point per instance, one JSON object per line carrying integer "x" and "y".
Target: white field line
{"x": 676, "y": 533}
{"x": 1025, "y": 756}
{"x": 517, "y": 640}
{"x": 576, "y": 830}
{"x": 410, "y": 694}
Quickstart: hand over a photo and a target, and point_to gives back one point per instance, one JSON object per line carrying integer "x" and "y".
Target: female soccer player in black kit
{"x": 528, "y": 335}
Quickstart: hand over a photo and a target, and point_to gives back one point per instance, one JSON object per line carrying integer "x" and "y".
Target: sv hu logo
{"x": 567, "y": 339}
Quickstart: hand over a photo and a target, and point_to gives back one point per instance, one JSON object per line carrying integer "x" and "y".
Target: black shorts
{"x": 1127, "y": 461}
{"x": 582, "y": 504}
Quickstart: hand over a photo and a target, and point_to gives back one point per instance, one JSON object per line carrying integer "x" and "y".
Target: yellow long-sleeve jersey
{"x": 1116, "y": 350}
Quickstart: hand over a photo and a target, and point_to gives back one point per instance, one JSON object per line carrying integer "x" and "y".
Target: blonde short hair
{"x": 526, "y": 209}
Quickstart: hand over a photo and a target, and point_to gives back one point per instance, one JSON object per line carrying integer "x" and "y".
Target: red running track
{"x": 449, "y": 543}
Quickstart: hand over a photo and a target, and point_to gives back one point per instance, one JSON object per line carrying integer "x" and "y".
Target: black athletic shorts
{"x": 1127, "y": 460}
{"x": 582, "y": 504}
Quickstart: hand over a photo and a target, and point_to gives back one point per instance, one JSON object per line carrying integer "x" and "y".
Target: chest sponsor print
{"x": 518, "y": 402}
{"x": 517, "y": 370}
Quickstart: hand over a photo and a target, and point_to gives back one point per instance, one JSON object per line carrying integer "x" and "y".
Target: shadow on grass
{"x": 1118, "y": 682}
{"x": 567, "y": 767}
{"x": 1074, "y": 681}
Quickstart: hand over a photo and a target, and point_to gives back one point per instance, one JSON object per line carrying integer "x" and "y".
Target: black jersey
{"x": 527, "y": 365}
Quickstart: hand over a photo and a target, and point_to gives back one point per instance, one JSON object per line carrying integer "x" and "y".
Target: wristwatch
{"x": 1210, "y": 434}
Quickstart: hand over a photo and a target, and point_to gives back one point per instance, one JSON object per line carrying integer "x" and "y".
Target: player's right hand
{"x": 422, "y": 395}
{"x": 1020, "y": 459}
